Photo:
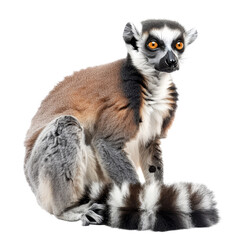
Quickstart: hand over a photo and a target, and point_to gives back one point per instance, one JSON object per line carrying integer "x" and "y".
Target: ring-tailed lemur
{"x": 97, "y": 126}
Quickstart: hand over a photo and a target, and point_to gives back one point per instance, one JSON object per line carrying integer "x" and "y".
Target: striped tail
{"x": 155, "y": 206}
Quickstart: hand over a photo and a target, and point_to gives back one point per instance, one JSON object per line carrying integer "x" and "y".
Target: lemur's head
{"x": 157, "y": 45}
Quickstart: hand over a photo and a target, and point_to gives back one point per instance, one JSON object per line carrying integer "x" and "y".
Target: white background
{"x": 41, "y": 42}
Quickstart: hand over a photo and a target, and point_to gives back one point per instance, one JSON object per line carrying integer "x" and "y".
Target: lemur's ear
{"x": 131, "y": 34}
{"x": 191, "y": 35}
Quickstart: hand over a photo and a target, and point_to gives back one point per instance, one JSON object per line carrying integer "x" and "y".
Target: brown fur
{"x": 168, "y": 198}
{"x": 132, "y": 201}
{"x": 94, "y": 97}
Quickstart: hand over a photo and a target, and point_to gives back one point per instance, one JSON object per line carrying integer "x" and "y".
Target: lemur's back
{"x": 83, "y": 94}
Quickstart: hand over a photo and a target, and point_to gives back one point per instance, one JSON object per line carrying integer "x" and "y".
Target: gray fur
{"x": 130, "y": 33}
{"x": 127, "y": 33}
{"x": 55, "y": 157}
{"x": 115, "y": 162}
{"x": 191, "y": 36}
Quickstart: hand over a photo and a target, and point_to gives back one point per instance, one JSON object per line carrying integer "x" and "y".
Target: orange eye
{"x": 152, "y": 45}
{"x": 179, "y": 45}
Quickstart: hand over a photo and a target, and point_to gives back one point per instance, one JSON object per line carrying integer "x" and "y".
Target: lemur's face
{"x": 157, "y": 44}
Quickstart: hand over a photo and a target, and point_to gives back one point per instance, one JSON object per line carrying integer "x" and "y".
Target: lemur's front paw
{"x": 157, "y": 171}
{"x": 152, "y": 169}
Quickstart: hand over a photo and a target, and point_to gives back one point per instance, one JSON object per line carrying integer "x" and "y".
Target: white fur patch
{"x": 150, "y": 196}
{"x": 96, "y": 188}
{"x": 117, "y": 194}
{"x": 183, "y": 198}
{"x": 148, "y": 200}
{"x": 115, "y": 201}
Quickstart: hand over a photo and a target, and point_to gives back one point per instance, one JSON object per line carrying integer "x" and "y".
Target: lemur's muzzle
{"x": 168, "y": 63}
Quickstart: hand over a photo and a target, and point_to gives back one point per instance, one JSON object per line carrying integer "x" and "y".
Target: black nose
{"x": 171, "y": 59}
{"x": 168, "y": 63}
{"x": 171, "y": 62}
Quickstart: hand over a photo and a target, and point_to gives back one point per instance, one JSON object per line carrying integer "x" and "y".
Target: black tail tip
{"x": 205, "y": 218}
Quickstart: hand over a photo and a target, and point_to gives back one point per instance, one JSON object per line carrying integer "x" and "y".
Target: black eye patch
{"x": 179, "y": 39}
{"x": 159, "y": 42}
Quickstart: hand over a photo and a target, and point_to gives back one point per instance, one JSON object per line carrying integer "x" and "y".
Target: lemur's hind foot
{"x": 93, "y": 215}
{"x": 90, "y": 213}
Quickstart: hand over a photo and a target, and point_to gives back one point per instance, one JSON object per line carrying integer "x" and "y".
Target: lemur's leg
{"x": 115, "y": 161}
{"x": 151, "y": 154}
{"x": 150, "y": 157}
{"x": 57, "y": 167}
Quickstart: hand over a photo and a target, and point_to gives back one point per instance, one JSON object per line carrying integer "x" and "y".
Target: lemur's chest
{"x": 156, "y": 107}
